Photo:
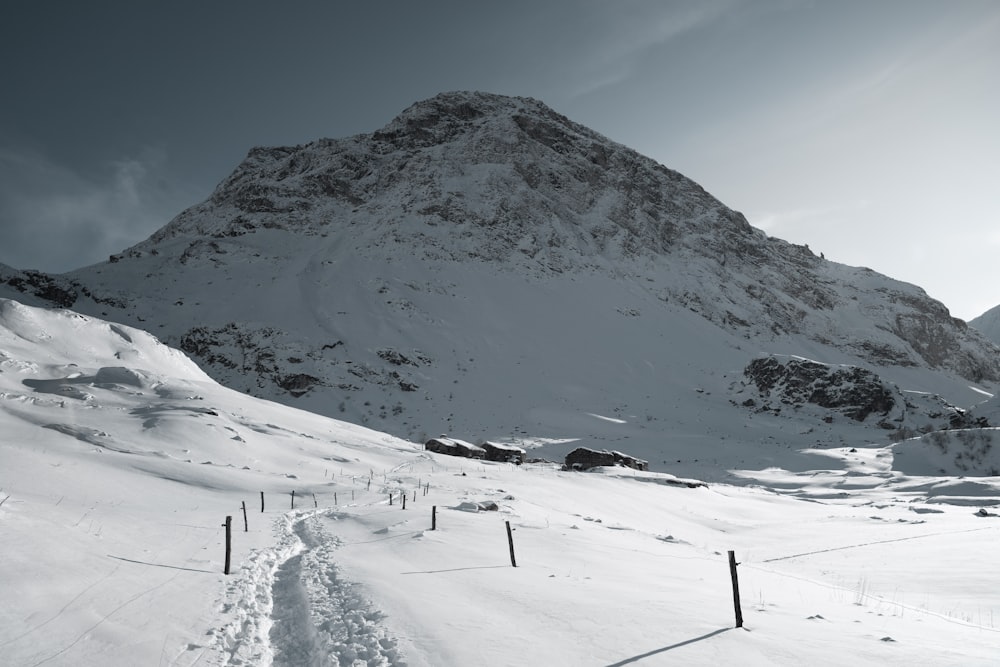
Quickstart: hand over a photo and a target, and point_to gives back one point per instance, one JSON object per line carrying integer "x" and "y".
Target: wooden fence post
{"x": 510, "y": 541}
{"x": 736, "y": 589}
{"x": 403, "y": 496}
{"x": 262, "y": 501}
{"x": 434, "y": 517}
{"x": 246, "y": 526}
{"x": 293, "y": 499}
{"x": 315, "y": 504}
{"x": 229, "y": 541}
{"x": 390, "y": 497}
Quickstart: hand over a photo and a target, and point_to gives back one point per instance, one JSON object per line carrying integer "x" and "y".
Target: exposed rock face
{"x": 852, "y": 391}
{"x": 38, "y": 288}
{"x": 856, "y": 393}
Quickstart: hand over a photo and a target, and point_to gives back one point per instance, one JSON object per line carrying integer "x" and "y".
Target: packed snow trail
{"x": 292, "y": 609}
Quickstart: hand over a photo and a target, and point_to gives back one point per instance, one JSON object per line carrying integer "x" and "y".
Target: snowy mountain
{"x": 485, "y": 267}
{"x": 121, "y": 460}
{"x": 988, "y": 324}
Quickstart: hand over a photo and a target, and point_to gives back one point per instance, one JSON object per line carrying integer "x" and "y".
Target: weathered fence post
{"x": 229, "y": 541}
{"x": 434, "y": 517}
{"x": 246, "y": 526}
{"x": 315, "y": 504}
{"x": 403, "y": 496}
{"x": 293, "y": 499}
{"x": 390, "y": 497}
{"x": 262, "y": 501}
{"x": 510, "y": 541}
{"x": 736, "y": 589}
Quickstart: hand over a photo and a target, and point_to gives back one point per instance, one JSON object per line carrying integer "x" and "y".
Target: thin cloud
{"x": 631, "y": 29}
{"x": 80, "y": 218}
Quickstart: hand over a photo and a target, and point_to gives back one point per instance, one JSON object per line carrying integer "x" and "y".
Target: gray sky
{"x": 867, "y": 129}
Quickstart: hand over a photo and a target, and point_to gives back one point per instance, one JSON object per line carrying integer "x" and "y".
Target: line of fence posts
{"x": 510, "y": 540}
{"x": 402, "y": 495}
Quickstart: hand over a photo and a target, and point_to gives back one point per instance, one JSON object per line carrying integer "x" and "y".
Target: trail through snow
{"x": 293, "y": 608}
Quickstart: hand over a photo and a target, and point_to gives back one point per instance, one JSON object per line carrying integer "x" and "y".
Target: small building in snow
{"x": 454, "y": 447}
{"x": 497, "y": 451}
{"x": 583, "y": 458}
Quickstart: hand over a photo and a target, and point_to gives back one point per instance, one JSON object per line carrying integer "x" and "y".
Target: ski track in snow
{"x": 292, "y": 609}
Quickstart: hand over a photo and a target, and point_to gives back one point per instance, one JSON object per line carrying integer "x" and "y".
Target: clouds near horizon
{"x": 57, "y": 219}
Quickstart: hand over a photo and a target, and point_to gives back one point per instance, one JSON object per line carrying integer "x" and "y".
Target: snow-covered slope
{"x": 486, "y": 267}
{"x": 989, "y": 324}
{"x": 121, "y": 460}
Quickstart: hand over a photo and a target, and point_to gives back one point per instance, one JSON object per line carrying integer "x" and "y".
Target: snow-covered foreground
{"x": 120, "y": 460}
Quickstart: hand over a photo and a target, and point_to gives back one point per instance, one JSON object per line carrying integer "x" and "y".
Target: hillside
{"x": 121, "y": 460}
{"x": 989, "y": 324}
{"x": 486, "y": 267}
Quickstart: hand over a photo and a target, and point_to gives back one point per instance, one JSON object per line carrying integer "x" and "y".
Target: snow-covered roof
{"x": 455, "y": 442}
{"x": 505, "y": 447}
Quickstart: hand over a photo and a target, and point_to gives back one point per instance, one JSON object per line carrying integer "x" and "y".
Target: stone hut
{"x": 583, "y": 458}
{"x": 496, "y": 451}
{"x": 454, "y": 447}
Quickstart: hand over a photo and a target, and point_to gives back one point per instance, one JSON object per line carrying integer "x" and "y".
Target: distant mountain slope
{"x": 482, "y": 265}
{"x": 988, "y": 324}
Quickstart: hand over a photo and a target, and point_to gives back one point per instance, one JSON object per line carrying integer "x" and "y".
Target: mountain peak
{"x": 468, "y": 266}
{"x": 450, "y": 110}
{"x": 502, "y": 178}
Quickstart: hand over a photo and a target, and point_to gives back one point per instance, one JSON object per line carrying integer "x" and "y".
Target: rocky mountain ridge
{"x": 482, "y": 263}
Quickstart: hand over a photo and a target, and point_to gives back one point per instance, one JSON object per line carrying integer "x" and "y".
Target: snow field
{"x": 113, "y": 495}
